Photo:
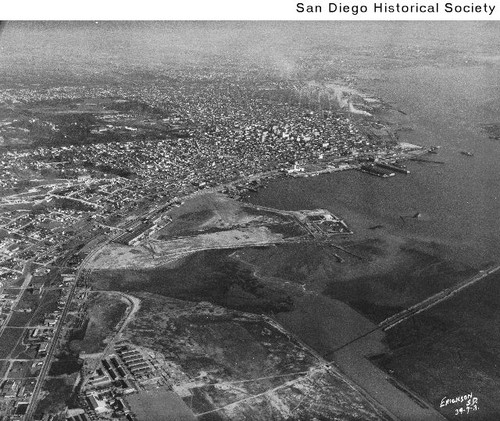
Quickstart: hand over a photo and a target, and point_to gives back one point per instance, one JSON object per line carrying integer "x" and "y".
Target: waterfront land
{"x": 298, "y": 281}
{"x": 101, "y": 190}
{"x": 140, "y": 275}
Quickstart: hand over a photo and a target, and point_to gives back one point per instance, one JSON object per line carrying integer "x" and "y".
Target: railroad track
{"x": 82, "y": 272}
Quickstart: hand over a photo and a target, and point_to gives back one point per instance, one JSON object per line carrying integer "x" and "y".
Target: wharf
{"x": 427, "y": 160}
{"x": 372, "y": 170}
{"x": 393, "y": 167}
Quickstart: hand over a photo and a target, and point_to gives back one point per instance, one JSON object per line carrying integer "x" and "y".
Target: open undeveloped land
{"x": 104, "y": 311}
{"x": 160, "y": 253}
{"x": 208, "y": 221}
{"x": 237, "y": 365}
{"x": 207, "y": 253}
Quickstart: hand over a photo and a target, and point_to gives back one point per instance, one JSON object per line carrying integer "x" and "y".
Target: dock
{"x": 373, "y": 170}
{"x": 427, "y": 160}
{"x": 393, "y": 167}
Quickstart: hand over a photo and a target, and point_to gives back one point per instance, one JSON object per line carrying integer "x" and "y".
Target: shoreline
{"x": 245, "y": 183}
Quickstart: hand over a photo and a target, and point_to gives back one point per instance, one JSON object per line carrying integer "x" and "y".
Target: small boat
{"x": 466, "y": 153}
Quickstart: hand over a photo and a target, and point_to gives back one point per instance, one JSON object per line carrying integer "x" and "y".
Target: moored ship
{"x": 373, "y": 170}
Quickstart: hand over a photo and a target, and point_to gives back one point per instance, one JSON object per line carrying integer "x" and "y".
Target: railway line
{"x": 82, "y": 272}
{"x": 50, "y": 353}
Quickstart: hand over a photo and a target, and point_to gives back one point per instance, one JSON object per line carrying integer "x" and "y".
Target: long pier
{"x": 435, "y": 299}
{"x": 430, "y": 161}
{"x": 397, "y": 398}
{"x": 392, "y": 167}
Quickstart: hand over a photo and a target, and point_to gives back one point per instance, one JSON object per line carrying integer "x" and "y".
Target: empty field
{"x": 8, "y": 341}
{"x": 160, "y": 405}
{"x": 205, "y": 276}
{"x": 104, "y": 312}
{"x": 242, "y": 366}
{"x": 213, "y": 212}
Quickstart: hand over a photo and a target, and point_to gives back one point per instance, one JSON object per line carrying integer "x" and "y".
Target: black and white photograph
{"x": 251, "y": 220}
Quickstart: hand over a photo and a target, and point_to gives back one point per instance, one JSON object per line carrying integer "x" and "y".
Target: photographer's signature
{"x": 464, "y": 404}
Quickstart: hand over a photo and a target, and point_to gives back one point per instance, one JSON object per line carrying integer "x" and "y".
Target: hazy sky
{"x": 106, "y": 49}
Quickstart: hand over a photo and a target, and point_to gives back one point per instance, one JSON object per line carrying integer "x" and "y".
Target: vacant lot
{"x": 214, "y": 212}
{"x": 4, "y": 366}
{"x": 22, "y": 369}
{"x": 231, "y": 344}
{"x": 38, "y": 305}
{"x": 160, "y": 253}
{"x": 242, "y": 364}
{"x": 8, "y": 341}
{"x": 104, "y": 312}
{"x": 205, "y": 276}
{"x": 160, "y": 405}
{"x": 59, "y": 392}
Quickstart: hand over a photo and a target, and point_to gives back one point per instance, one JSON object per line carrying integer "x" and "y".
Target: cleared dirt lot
{"x": 159, "y": 405}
